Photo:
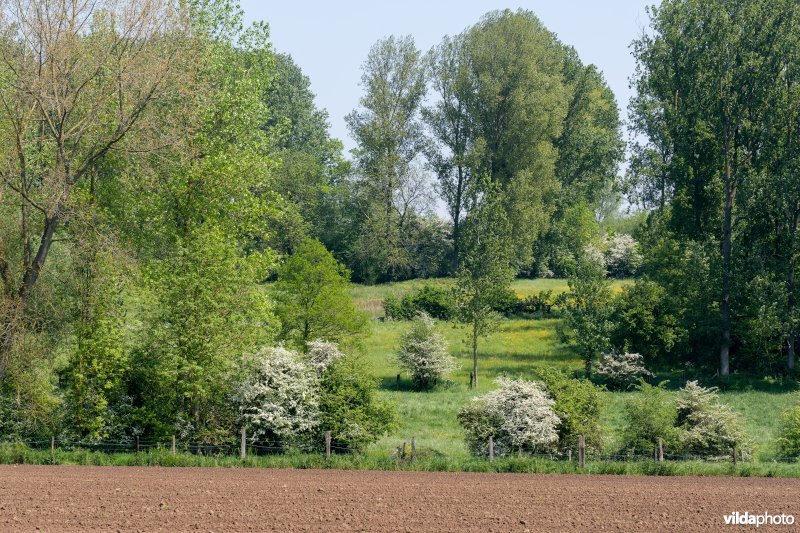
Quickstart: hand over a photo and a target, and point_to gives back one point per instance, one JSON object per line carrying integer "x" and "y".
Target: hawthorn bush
{"x": 519, "y": 415}
{"x": 621, "y": 371}
{"x": 423, "y": 353}
{"x": 279, "y": 399}
{"x": 706, "y": 425}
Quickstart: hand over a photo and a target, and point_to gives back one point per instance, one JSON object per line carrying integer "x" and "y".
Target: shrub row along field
{"x": 523, "y": 348}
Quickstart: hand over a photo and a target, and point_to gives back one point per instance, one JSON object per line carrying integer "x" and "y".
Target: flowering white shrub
{"x": 519, "y": 415}
{"x": 622, "y": 370}
{"x": 707, "y": 425}
{"x": 593, "y": 255}
{"x": 622, "y": 258}
{"x": 322, "y": 353}
{"x": 279, "y": 400}
{"x": 423, "y": 352}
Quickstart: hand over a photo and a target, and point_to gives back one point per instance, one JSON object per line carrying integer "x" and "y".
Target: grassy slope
{"x": 521, "y": 347}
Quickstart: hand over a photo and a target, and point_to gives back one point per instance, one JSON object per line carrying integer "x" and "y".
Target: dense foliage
{"x": 694, "y": 423}
{"x": 577, "y": 405}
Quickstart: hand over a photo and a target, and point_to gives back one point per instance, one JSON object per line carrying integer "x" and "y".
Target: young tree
{"x": 313, "y": 296}
{"x": 588, "y": 310}
{"x": 486, "y": 269}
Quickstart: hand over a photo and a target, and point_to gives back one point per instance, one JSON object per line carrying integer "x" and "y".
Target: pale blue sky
{"x": 330, "y": 39}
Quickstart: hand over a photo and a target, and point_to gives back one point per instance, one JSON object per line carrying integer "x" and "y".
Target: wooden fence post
{"x": 413, "y": 449}
{"x": 52, "y": 444}
{"x": 569, "y": 455}
{"x": 491, "y": 449}
{"x": 243, "y": 449}
{"x": 403, "y": 451}
{"x": 581, "y": 451}
{"x": 174, "y": 447}
{"x": 137, "y": 444}
{"x": 733, "y": 454}
{"x": 660, "y": 450}
{"x": 327, "y": 445}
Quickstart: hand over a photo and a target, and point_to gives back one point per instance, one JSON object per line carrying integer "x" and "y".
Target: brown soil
{"x": 63, "y": 498}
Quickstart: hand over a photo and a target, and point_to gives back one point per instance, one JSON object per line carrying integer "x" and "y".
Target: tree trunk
{"x": 475, "y": 354}
{"x": 791, "y": 337}
{"x": 457, "y": 219}
{"x": 11, "y": 325}
{"x": 725, "y": 304}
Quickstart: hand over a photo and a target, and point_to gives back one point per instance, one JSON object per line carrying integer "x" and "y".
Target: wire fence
{"x": 244, "y": 448}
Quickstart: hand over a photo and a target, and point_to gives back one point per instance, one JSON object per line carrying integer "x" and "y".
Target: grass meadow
{"x": 520, "y": 348}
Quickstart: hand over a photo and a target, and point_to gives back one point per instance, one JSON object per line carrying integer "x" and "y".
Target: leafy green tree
{"x": 587, "y": 311}
{"x": 450, "y": 122}
{"x": 645, "y": 323}
{"x": 108, "y": 70}
{"x": 389, "y": 134}
{"x": 313, "y": 297}
{"x": 94, "y": 376}
{"x": 311, "y": 163}
{"x": 519, "y": 106}
{"x": 200, "y": 219}
{"x": 485, "y": 271}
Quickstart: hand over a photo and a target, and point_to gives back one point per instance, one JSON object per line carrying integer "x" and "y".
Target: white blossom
{"x": 423, "y": 352}
{"x": 622, "y": 258}
{"x": 279, "y": 400}
{"x": 622, "y": 370}
{"x": 518, "y": 415}
{"x": 322, "y": 353}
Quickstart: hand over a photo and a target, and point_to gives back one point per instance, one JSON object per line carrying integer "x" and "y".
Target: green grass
{"x": 519, "y": 348}
{"x": 425, "y": 461}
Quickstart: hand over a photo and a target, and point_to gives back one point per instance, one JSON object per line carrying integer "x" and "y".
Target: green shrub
{"x": 506, "y": 303}
{"x": 649, "y": 415}
{"x": 789, "y": 436}
{"x": 393, "y": 308}
{"x": 577, "y": 404}
{"x": 350, "y": 407}
{"x": 435, "y": 301}
{"x": 706, "y": 425}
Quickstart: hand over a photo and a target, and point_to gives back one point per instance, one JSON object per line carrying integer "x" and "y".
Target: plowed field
{"x": 63, "y": 498}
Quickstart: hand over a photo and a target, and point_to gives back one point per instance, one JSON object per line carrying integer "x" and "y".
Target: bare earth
{"x": 64, "y": 498}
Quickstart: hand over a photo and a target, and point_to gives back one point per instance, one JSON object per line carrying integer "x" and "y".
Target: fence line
{"x": 328, "y": 447}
